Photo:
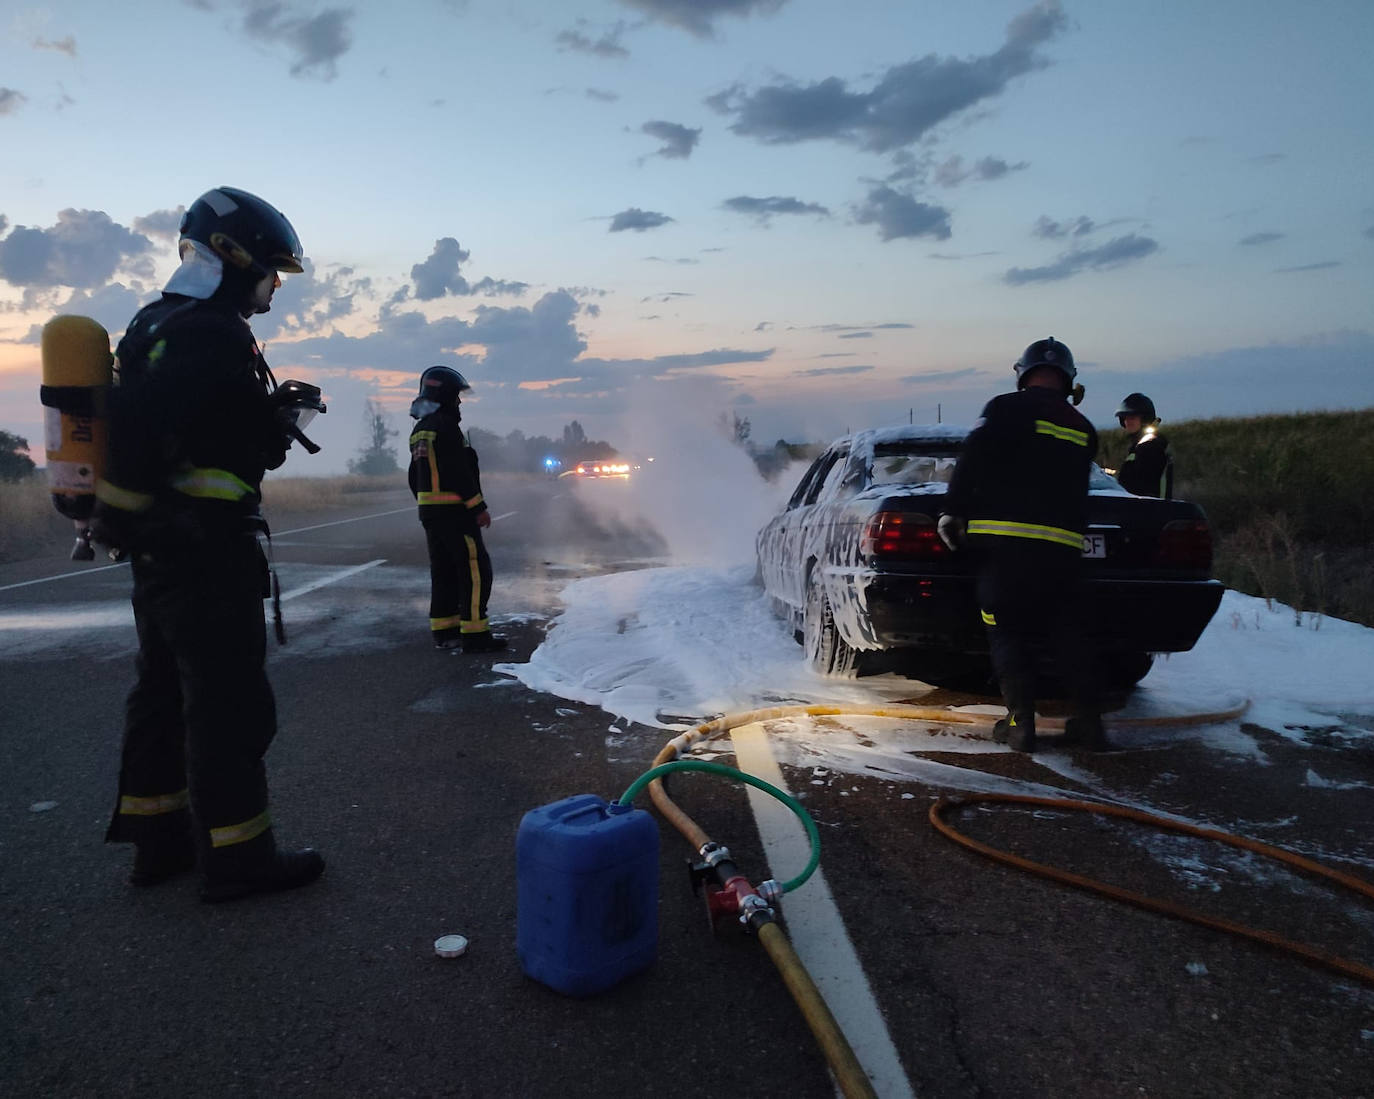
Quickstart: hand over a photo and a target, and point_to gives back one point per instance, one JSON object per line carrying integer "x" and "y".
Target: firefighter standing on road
{"x": 445, "y": 479}
{"x": 1148, "y": 468}
{"x": 1018, "y": 499}
{"x": 194, "y": 424}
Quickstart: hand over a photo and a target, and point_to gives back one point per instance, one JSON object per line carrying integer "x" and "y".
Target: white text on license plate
{"x": 1094, "y": 545}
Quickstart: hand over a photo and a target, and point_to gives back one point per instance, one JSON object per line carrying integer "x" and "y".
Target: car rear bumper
{"x": 941, "y": 612}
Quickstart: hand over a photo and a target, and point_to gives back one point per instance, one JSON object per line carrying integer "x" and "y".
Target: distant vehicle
{"x": 855, "y": 564}
{"x": 607, "y": 468}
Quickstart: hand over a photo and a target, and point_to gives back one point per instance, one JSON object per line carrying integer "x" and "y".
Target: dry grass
{"x": 1289, "y": 502}
{"x": 31, "y": 527}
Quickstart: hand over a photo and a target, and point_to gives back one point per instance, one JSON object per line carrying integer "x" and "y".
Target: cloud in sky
{"x": 317, "y": 40}
{"x": 1324, "y": 265}
{"x": 1048, "y": 229}
{"x": 602, "y": 95}
{"x": 905, "y": 104}
{"x": 698, "y": 16}
{"x": 952, "y": 172}
{"x": 1261, "y": 238}
{"x": 61, "y": 45}
{"x": 607, "y": 45}
{"x": 160, "y": 223}
{"x": 1115, "y": 253}
{"x": 678, "y": 140}
{"x": 638, "y": 220}
{"x": 11, "y": 100}
{"x": 940, "y": 376}
{"x": 901, "y": 216}
{"x": 826, "y": 371}
{"x": 765, "y": 208}
{"x": 84, "y": 249}
{"x": 439, "y": 274}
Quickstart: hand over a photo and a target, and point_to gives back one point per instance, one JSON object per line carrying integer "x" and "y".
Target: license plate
{"x": 1094, "y": 545}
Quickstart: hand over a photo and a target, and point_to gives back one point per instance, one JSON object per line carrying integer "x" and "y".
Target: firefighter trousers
{"x": 1032, "y": 601}
{"x": 201, "y": 714}
{"x": 459, "y": 577}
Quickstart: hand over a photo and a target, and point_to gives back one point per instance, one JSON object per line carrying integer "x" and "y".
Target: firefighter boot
{"x": 1085, "y": 731}
{"x": 157, "y": 861}
{"x": 483, "y": 642}
{"x": 284, "y": 870}
{"x": 1016, "y": 731}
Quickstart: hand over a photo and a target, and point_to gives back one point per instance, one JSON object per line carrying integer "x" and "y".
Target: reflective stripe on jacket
{"x": 444, "y": 472}
{"x": 1024, "y": 469}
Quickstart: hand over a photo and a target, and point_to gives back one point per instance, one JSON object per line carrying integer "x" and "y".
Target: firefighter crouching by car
{"x": 445, "y": 480}
{"x": 1018, "y": 500}
{"x": 1148, "y": 468}
{"x": 195, "y": 421}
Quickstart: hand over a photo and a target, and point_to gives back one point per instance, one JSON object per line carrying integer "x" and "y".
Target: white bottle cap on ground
{"x": 450, "y": 946}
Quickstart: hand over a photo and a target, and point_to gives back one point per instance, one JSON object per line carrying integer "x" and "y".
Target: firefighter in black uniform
{"x": 194, "y": 422}
{"x": 1148, "y": 468}
{"x": 1018, "y": 500}
{"x": 446, "y": 482}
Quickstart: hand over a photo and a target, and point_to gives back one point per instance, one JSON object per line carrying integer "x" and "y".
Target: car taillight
{"x": 1185, "y": 544}
{"x": 901, "y": 534}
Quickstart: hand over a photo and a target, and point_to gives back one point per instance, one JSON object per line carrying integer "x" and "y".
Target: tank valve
{"x": 82, "y": 550}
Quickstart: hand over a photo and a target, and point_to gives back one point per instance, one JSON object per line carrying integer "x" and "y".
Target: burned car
{"x": 855, "y": 564}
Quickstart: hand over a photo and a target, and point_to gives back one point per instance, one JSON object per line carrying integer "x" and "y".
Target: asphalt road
{"x": 411, "y": 769}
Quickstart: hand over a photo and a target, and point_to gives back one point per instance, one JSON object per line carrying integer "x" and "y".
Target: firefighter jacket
{"x": 1148, "y": 468}
{"x": 192, "y": 426}
{"x": 444, "y": 474}
{"x": 1024, "y": 470}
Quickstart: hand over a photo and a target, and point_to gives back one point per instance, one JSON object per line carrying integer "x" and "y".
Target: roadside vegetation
{"x": 1289, "y": 501}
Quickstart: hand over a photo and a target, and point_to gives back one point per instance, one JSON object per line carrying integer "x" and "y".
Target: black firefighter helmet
{"x": 250, "y": 235}
{"x": 1137, "y": 404}
{"x": 1048, "y": 352}
{"x": 440, "y": 387}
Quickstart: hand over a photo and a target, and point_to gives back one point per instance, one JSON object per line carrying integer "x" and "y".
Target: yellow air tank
{"x": 77, "y": 374}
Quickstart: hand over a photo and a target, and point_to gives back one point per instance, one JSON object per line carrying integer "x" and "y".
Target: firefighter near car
{"x": 1018, "y": 501}
{"x": 1148, "y": 468}
{"x": 195, "y": 421}
{"x": 445, "y": 479}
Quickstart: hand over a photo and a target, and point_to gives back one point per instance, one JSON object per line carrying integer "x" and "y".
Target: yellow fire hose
{"x": 849, "y": 1074}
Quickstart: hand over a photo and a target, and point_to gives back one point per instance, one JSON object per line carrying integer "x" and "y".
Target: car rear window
{"x": 911, "y": 467}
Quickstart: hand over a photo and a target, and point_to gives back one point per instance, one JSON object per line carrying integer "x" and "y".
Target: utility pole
{"x": 939, "y": 417}
{"x": 910, "y": 414}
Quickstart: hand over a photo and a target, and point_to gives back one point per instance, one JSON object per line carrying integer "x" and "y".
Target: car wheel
{"x": 826, "y": 650}
{"x": 1124, "y": 670}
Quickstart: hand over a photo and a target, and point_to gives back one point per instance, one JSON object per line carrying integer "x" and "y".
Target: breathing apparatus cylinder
{"x": 77, "y": 375}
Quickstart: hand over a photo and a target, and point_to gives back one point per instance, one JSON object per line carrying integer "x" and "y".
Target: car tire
{"x": 1124, "y": 670}
{"x": 826, "y": 650}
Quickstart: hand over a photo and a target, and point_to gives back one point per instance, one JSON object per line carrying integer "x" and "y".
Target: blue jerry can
{"x": 586, "y": 893}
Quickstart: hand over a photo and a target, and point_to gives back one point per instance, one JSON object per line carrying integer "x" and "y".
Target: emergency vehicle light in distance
{"x": 901, "y": 534}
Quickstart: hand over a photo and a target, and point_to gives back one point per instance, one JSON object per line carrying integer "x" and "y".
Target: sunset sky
{"x": 821, "y": 216}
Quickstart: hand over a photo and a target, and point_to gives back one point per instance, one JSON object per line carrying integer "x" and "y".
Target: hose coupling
{"x": 713, "y": 853}
{"x": 771, "y": 890}
{"x": 753, "y": 907}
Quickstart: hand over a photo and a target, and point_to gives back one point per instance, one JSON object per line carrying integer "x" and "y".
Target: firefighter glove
{"x": 952, "y": 530}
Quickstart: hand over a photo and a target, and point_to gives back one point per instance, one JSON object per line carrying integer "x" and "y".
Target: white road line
{"x": 332, "y": 578}
{"x": 62, "y": 576}
{"x": 503, "y": 515}
{"x": 814, "y": 924}
{"x": 340, "y": 522}
{"x": 298, "y": 530}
